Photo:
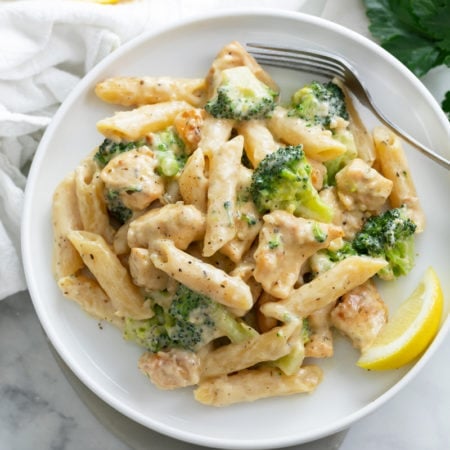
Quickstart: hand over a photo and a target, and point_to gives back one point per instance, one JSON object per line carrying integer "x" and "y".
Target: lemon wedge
{"x": 411, "y": 328}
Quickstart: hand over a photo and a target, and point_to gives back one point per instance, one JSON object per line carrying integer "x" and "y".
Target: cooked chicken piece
{"x": 144, "y": 273}
{"x": 172, "y": 369}
{"x": 177, "y": 222}
{"x": 318, "y": 173}
{"x": 285, "y": 243}
{"x": 360, "y": 314}
{"x": 362, "y": 188}
{"x": 132, "y": 174}
{"x": 320, "y": 344}
{"x": 188, "y": 125}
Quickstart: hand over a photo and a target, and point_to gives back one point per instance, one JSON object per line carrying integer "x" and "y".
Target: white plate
{"x": 105, "y": 362}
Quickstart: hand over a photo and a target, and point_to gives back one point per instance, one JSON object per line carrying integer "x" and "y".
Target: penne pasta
{"x": 221, "y": 210}
{"x": 91, "y": 297}
{"x": 318, "y": 144}
{"x": 65, "y": 218}
{"x": 135, "y": 124}
{"x": 91, "y": 200}
{"x": 231, "y": 358}
{"x": 253, "y": 384}
{"x": 325, "y": 288}
{"x": 202, "y": 277}
{"x": 394, "y": 166}
{"x": 111, "y": 275}
{"x": 137, "y": 91}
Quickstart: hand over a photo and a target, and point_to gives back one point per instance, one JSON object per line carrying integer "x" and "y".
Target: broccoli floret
{"x": 319, "y": 103}
{"x": 241, "y": 96}
{"x": 152, "y": 333}
{"x": 282, "y": 180}
{"x": 389, "y": 235}
{"x": 116, "y": 208}
{"x": 108, "y": 149}
{"x": 170, "y": 151}
{"x": 291, "y": 362}
{"x": 341, "y": 253}
{"x": 191, "y": 320}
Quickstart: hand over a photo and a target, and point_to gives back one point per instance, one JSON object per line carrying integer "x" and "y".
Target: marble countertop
{"x": 44, "y": 406}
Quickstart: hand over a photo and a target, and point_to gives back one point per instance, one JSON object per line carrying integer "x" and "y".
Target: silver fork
{"x": 326, "y": 64}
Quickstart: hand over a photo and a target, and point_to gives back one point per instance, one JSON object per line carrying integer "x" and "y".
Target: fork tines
{"x": 315, "y": 62}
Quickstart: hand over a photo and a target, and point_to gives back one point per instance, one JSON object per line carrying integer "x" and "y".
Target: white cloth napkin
{"x": 45, "y": 49}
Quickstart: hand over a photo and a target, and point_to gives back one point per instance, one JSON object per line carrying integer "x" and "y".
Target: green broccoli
{"x": 319, "y": 103}
{"x": 167, "y": 145}
{"x": 115, "y": 206}
{"x": 170, "y": 151}
{"x": 190, "y": 321}
{"x": 282, "y": 180}
{"x": 389, "y": 235}
{"x": 108, "y": 149}
{"x": 291, "y": 362}
{"x": 241, "y": 96}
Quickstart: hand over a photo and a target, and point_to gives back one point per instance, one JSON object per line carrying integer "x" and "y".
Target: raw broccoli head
{"x": 108, "y": 149}
{"x": 389, "y": 235}
{"x": 241, "y": 96}
{"x": 282, "y": 180}
{"x": 191, "y": 320}
{"x": 319, "y": 103}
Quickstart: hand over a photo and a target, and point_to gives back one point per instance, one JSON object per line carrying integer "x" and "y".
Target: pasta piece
{"x": 144, "y": 273}
{"x": 360, "y": 314}
{"x": 253, "y": 384}
{"x": 247, "y": 219}
{"x": 224, "y": 168}
{"x": 326, "y": 288}
{"x": 318, "y": 143}
{"x": 65, "y": 218}
{"x": 193, "y": 182}
{"x": 91, "y": 201}
{"x": 215, "y": 132}
{"x": 202, "y": 277}
{"x": 137, "y": 91}
{"x": 394, "y": 166}
{"x": 258, "y": 140}
{"x": 285, "y": 243}
{"x": 135, "y": 124}
{"x": 265, "y": 323}
{"x": 362, "y": 188}
{"x": 320, "y": 343}
{"x": 112, "y": 277}
{"x": 231, "y": 358}
{"x": 182, "y": 224}
{"x": 91, "y": 297}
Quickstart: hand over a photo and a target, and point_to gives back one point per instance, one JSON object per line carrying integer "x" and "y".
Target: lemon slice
{"x": 411, "y": 328}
